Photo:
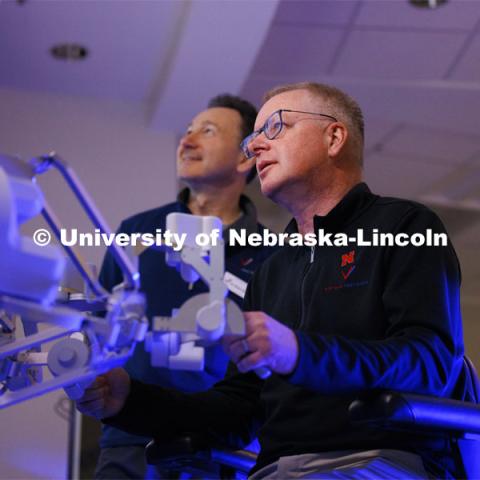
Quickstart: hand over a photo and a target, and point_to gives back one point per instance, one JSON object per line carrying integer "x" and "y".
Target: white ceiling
{"x": 170, "y": 55}
{"x": 124, "y": 41}
{"x": 415, "y": 72}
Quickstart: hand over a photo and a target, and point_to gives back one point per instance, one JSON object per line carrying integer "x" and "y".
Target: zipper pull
{"x": 312, "y": 254}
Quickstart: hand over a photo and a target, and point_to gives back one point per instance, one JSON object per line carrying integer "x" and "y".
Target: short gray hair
{"x": 340, "y": 105}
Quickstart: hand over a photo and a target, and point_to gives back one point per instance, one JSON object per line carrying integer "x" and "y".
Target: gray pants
{"x": 117, "y": 463}
{"x": 371, "y": 464}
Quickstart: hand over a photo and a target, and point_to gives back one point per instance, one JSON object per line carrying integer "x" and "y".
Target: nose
{"x": 259, "y": 143}
{"x": 188, "y": 140}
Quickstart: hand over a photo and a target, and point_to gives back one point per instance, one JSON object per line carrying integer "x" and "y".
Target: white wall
{"x": 126, "y": 168}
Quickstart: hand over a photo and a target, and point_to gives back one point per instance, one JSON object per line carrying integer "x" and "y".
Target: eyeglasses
{"x": 272, "y": 128}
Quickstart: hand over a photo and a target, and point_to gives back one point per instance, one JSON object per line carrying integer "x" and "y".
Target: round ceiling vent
{"x": 427, "y": 3}
{"x": 69, "y": 51}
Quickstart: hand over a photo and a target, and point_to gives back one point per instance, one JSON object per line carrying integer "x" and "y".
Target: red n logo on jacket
{"x": 348, "y": 258}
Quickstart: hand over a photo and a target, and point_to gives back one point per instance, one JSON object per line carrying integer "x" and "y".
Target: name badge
{"x": 234, "y": 284}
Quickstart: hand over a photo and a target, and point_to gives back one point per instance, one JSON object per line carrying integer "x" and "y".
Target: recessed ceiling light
{"x": 69, "y": 51}
{"x": 427, "y": 3}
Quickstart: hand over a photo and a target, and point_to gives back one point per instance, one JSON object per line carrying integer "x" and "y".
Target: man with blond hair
{"x": 331, "y": 323}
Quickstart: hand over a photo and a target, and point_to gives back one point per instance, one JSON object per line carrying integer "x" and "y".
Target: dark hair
{"x": 340, "y": 105}
{"x": 246, "y": 110}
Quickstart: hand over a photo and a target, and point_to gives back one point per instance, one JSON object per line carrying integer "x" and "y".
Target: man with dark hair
{"x": 215, "y": 170}
{"x": 247, "y": 112}
{"x": 331, "y": 321}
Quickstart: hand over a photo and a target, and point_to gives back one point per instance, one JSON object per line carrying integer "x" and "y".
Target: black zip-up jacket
{"x": 366, "y": 318}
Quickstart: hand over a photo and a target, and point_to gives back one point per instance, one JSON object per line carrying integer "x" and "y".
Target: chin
{"x": 277, "y": 193}
{"x": 269, "y": 189}
{"x": 186, "y": 174}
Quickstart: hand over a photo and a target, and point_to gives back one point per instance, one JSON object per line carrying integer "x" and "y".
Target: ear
{"x": 337, "y": 135}
{"x": 244, "y": 164}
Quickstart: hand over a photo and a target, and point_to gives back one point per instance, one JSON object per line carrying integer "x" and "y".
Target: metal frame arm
{"x": 44, "y": 163}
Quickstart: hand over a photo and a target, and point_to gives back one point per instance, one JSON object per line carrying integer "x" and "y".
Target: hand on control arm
{"x": 267, "y": 343}
{"x": 107, "y": 395}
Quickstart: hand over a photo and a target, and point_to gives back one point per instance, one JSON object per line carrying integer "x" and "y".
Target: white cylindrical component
{"x": 67, "y": 355}
{"x": 211, "y": 321}
{"x": 78, "y": 336}
{"x": 37, "y": 358}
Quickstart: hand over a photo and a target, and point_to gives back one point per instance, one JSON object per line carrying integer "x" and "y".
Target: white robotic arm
{"x": 29, "y": 283}
{"x": 177, "y": 342}
{"x": 87, "y": 345}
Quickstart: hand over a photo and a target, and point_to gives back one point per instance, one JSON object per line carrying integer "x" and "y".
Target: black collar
{"x": 247, "y": 221}
{"x": 349, "y": 208}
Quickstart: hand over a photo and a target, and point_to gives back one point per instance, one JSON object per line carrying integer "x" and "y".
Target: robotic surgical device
{"x": 64, "y": 344}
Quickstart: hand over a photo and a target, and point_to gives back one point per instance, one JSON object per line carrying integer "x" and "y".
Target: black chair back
{"x": 469, "y": 447}
{"x": 472, "y": 373}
